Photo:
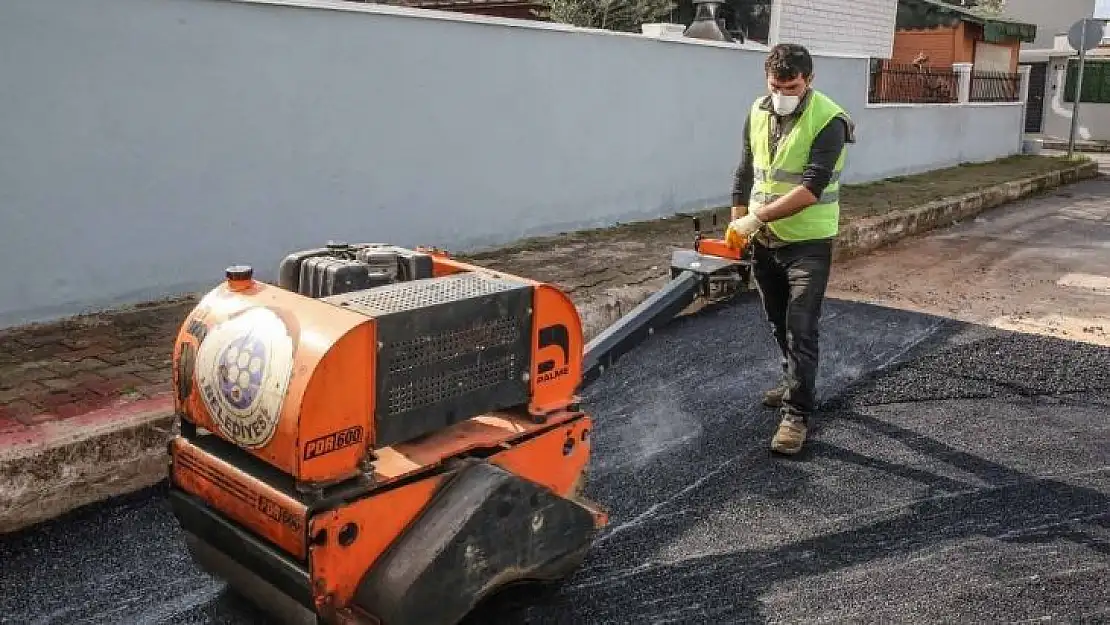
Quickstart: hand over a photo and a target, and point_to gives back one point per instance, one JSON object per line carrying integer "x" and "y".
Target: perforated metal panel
{"x": 405, "y": 296}
{"x": 449, "y": 348}
{"x": 449, "y": 385}
{"x": 423, "y": 351}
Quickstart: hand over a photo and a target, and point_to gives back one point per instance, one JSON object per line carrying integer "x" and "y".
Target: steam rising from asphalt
{"x": 648, "y": 428}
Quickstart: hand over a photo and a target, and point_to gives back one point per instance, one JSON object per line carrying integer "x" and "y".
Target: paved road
{"x": 967, "y": 480}
{"x": 1042, "y": 266}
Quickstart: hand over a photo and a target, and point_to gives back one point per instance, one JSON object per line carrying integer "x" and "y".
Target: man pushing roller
{"x": 785, "y": 198}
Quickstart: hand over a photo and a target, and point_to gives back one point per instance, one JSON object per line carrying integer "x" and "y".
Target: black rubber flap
{"x": 487, "y": 528}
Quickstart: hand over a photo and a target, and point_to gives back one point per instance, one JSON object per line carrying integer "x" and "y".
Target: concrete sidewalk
{"x": 85, "y": 406}
{"x": 1081, "y": 145}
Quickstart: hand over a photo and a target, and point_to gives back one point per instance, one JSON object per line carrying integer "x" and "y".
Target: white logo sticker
{"x": 243, "y": 370}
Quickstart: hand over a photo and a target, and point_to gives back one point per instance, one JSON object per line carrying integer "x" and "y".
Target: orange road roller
{"x": 389, "y": 436}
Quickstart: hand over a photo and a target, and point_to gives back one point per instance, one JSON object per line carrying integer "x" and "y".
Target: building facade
{"x": 940, "y": 34}
{"x": 853, "y": 27}
{"x": 1049, "y": 57}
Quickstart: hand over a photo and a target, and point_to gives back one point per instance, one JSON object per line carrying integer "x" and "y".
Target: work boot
{"x": 773, "y": 397}
{"x": 789, "y": 437}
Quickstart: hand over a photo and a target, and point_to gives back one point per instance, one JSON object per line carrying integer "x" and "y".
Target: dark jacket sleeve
{"x": 824, "y": 153}
{"x": 744, "y": 176}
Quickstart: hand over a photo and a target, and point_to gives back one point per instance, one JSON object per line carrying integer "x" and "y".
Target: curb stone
{"x": 868, "y": 234}
{"x": 60, "y": 466}
{"x": 1096, "y": 147}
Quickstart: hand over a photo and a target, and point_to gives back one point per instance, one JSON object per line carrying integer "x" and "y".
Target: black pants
{"x": 791, "y": 282}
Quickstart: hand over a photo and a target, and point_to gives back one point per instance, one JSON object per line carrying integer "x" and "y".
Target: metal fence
{"x": 995, "y": 86}
{"x": 906, "y": 83}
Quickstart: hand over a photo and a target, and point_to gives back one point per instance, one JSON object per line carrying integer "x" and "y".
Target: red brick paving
{"x": 69, "y": 368}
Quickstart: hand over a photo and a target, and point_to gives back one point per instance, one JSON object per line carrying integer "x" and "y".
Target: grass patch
{"x": 902, "y": 192}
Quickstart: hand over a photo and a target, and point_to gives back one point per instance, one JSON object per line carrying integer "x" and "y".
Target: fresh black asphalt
{"x": 956, "y": 474}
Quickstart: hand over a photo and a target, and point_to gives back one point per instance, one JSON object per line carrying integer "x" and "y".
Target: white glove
{"x": 746, "y": 225}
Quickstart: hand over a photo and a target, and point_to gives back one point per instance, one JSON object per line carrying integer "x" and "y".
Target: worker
{"x": 785, "y": 202}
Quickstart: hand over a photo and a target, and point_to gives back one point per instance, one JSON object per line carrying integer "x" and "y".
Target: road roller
{"x": 389, "y": 436}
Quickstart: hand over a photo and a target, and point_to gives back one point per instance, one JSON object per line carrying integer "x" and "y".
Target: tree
{"x": 622, "y": 15}
{"x": 989, "y": 7}
{"x": 986, "y": 8}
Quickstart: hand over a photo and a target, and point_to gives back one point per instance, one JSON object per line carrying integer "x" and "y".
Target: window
{"x": 990, "y": 57}
{"x": 1096, "y": 81}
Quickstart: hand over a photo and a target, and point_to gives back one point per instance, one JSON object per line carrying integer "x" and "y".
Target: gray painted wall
{"x": 147, "y": 144}
{"x": 1052, "y": 17}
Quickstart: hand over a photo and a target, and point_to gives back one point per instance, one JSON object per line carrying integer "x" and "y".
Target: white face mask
{"x": 785, "y": 104}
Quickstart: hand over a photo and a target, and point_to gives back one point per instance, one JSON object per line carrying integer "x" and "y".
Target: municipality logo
{"x": 243, "y": 371}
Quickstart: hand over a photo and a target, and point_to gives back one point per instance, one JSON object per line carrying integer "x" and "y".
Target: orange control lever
{"x": 717, "y": 247}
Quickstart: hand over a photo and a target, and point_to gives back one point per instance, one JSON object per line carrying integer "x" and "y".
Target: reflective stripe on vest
{"x": 763, "y": 175}
{"x": 759, "y": 198}
{"x": 776, "y": 177}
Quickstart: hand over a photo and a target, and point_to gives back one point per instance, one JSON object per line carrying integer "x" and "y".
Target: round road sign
{"x": 1094, "y": 32}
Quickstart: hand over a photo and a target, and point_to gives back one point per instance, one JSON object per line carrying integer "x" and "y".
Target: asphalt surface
{"x": 958, "y": 473}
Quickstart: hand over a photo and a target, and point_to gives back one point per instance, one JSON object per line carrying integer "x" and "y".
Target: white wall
{"x": 145, "y": 145}
{"x": 923, "y": 137}
{"x": 858, "y": 27}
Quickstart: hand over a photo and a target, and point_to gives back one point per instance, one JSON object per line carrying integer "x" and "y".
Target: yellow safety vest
{"x": 775, "y": 178}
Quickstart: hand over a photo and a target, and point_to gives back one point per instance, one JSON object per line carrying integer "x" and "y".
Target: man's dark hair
{"x": 787, "y": 60}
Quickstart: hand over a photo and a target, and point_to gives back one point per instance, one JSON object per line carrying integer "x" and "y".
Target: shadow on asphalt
{"x": 965, "y": 472}
{"x": 955, "y": 473}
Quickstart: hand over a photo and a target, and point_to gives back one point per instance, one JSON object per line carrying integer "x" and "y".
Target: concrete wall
{"x": 938, "y": 133}
{"x": 147, "y": 144}
{"x": 1094, "y": 119}
{"x": 1052, "y": 17}
{"x": 859, "y": 27}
